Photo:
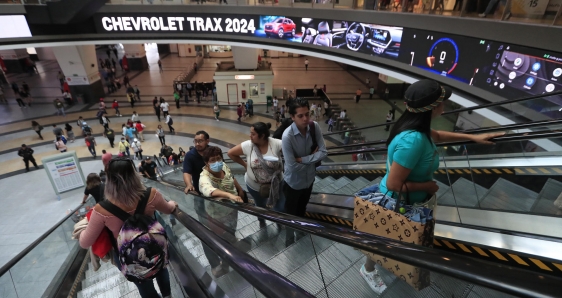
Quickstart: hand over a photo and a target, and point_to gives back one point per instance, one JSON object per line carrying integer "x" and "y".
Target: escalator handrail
{"x": 469, "y": 131}
{"x": 501, "y": 139}
{"x": 33, "y": 244}
{"x": 512, "y": 126}
{"x": 492, "y": 104}
{"x": 518, "y": 282}
{"x": 256, "y": 273}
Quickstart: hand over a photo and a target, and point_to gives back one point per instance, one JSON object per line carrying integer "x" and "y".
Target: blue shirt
{"x": 412, "y": 150}
{"x": 294, "y": 144}
{"x": 130, "y": 132}
{"x": 193, "y": 164}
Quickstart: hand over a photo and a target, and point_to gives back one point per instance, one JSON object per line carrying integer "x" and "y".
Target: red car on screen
{"x": 280, "y": 27}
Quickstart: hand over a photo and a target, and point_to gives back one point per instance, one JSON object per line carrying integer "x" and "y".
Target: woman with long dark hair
{"x": 93, "y": 187}
{"x": 124, "y": 189}
{"x": 412, "y": 155}
{"x": 264, "y": 169}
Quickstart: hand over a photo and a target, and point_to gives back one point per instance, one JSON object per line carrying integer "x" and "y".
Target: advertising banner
{"x": 490, "y": 65}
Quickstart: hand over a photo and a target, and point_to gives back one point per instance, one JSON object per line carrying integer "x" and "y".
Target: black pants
{"x": 20, "y": 102}
{"x": 370, "y": 95}
{"x": 306, "y": 67}
{"x": 132, "y": 103}
{"x": 162, "y": 140}
{"x": 39, "y": 133}
{"x": 177, "y": 104}
{"x": 139, "y": 155}
{"x": 172, "y": 130}
{"x": 111, "y": 140}
{"x": 157, "y": 112}
{"x": 165, "y": 113}
{"x": 295, "y": 204}
{"x": 388, "y": 125}
{"x": 357, "y": 98}
{"x": 27, "y": 160}
{"x": 296, "y": 199}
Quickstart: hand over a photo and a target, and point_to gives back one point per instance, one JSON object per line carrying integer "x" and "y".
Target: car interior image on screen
{"x": 365, "y": 38}
{"x": 509, "y": 71}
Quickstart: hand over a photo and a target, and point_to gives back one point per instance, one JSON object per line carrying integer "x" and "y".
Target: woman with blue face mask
{"x": 216, "y": 181}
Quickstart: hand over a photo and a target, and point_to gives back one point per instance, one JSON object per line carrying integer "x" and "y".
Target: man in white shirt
{"x": 137, "y": 148}
{"x": 275, "y": 103}
{"x": 135, "y": 117}
{"x": 343, "y": 113}
{"x": 306, "y": 64}
{"x": 164, "y": 106}
{"x": 389, "y": 117}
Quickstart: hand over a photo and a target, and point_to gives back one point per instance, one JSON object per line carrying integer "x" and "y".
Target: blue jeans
{"x": 146, "y": 288}
{"x": 261, "y": 202}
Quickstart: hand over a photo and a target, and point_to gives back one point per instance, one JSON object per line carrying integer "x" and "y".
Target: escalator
{"x": 323, "y": 260}
{"x": 476, "y": 191}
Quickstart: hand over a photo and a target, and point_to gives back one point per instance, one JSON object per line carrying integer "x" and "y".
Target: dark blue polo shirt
{"x": 193, "y": 164}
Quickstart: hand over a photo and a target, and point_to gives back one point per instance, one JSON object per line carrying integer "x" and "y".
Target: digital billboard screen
{"x": 364, "y": 38}
{"x": 509, "y": 71}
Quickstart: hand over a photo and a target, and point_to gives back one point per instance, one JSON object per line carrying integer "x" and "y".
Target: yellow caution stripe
{"x": 459, "y": 171}
{"x": 492, "y": 254}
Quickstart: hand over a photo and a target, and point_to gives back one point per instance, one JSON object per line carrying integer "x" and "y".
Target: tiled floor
{"x": 29, "y": 205}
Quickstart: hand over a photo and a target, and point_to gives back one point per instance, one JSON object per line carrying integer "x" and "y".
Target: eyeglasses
{"x": 198, "y": 141}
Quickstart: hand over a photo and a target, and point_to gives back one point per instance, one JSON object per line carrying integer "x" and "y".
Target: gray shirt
{"x": 294, "y": 144}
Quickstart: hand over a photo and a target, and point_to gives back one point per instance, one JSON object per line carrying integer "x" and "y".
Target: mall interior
{"x": 493, "y": 232}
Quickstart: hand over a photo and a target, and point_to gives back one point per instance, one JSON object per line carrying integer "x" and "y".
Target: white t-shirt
{"x": 274, "y": 150}
{"x": 342, "y": 114}
{"x": 305, "y": 62}
{"x": 135, "y": 117}
{"x": 164, "y": 106}
{"x": 136, "y": 146}
{"x": 275, "y": 102}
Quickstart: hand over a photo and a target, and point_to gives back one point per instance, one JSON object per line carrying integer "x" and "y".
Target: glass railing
{"x": 36, "y": 271}
{"x": 326, "y": 260}
{"x": 541, "y": 109}
{"x": 548, "y": 16}
{"x": 517, "y": 174}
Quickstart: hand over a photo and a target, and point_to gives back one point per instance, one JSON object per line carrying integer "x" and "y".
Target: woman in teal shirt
{"x": 412, "y": 155}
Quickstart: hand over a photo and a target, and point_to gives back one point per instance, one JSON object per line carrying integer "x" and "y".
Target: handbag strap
{"x": 313, "y": 133}
{"x": 250, "y": 165}
{"x": 122, "y": 215}
{"x": 398, "y": 200}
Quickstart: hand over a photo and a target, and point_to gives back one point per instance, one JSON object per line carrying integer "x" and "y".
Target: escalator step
{"x": 506, "y": 195}
{"x": 462, "y": 193}
{"x": 549, "y": 193}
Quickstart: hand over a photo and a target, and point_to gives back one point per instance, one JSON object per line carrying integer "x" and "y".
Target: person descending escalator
{"x": 264, "y": 167}
{"x": 125, "y": 191}
{"x": 412, "y": 159}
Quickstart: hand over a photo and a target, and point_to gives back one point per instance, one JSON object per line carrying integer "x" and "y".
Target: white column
{"x": 245, "y": 58}
{"x": 78, "y": 63}
{"x": 80, "y": 66}
{"x": 45, "y": 54}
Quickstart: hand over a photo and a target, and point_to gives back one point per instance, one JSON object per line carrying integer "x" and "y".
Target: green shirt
{"x": 414, "y": 151}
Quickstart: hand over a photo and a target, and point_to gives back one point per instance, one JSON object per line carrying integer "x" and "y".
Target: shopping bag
{"x": 374, "y": 219}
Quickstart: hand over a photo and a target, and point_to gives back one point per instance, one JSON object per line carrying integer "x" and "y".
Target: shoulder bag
{"x": 314, "y": 142}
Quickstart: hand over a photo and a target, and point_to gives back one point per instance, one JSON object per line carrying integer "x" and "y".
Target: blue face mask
{"x": 216, "y": 166}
